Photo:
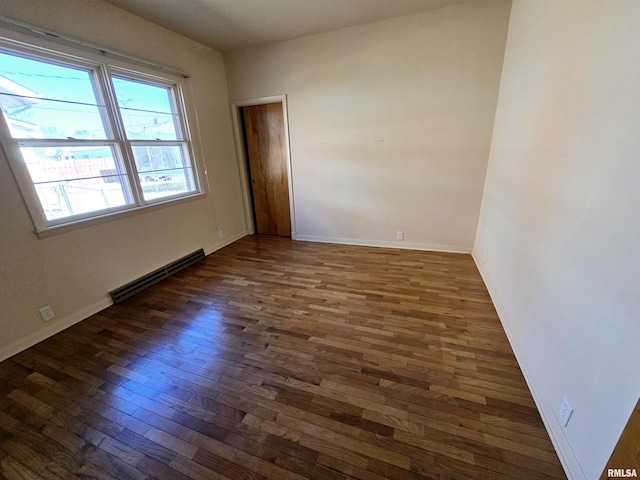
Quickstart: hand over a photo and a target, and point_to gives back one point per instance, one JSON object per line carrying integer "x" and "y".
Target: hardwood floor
{"x": 281, "y": 359}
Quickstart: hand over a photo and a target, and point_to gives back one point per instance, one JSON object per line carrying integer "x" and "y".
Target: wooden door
{"x": 264, "y": 126}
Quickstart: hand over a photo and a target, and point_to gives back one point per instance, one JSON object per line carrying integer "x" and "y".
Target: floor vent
{"x": 130, "y": 289}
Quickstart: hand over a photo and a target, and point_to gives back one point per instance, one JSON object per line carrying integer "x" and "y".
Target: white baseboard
{"x": 432, "y": 247}
{"x": 559, "y": 440}
{"x": 60, "y": 324}
{"x": 56, "y": 327}
{"x": 224, "y": 242}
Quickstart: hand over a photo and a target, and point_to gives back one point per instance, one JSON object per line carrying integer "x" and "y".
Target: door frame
{"x": 243, "y": 158}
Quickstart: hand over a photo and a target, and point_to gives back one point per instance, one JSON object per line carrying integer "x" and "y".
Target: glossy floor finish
{"x": 281, "y": 359}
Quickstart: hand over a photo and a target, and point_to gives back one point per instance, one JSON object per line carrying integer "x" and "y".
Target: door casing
{"x": 243, "y": 160}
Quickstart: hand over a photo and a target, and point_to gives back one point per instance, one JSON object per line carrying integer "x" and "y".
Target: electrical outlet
{"x": 47, "y": 313}
{"x": 220, "y": 234}
{"x": 399, "y": 235}
{"x": 565, "y": 412}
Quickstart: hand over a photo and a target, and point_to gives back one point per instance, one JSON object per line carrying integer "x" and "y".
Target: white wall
{"x": 559, "y": 220}
{"x": 390, "y": 123}
{"x": 73, "y": 272}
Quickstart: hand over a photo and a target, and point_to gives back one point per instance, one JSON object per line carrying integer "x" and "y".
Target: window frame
{"x": 102, "y": 70}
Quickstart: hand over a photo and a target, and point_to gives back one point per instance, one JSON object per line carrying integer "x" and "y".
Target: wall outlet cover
{"x": 565, "y": 412}
{"x": 47, "y": 313}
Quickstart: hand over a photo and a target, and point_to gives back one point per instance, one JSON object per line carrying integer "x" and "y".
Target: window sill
{"x": 97, "y": 220}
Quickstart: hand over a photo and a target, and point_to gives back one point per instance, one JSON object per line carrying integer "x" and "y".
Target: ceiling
{"x": 227, "y": 25}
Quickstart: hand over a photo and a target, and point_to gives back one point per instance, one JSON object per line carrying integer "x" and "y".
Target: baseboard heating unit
{"x": 119, "y": 295}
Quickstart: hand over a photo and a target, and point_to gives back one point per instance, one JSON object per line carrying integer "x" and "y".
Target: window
{"x": 88, "y": 139}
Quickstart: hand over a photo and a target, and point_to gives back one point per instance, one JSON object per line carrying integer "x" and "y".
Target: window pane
{"x": 150, "y": 158}
{"x": 163, "y": 171}
{"x": 56, "y": 120}
{"x": 146, "y": 110}
{"x": 77, "y": 197}
{"x": 167, "y": 184}
{"x": 43, "y": 100}
{"x": 75, "y": 180}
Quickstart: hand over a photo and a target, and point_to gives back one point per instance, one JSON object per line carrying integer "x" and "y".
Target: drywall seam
{"x": 432, "y": 247}
{"x": 559, "y": 440}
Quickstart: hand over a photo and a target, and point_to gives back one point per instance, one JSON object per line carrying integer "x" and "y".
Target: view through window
{"x": 94, "y": 139}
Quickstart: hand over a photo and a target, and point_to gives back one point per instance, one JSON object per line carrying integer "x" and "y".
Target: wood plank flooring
{"x": 281, "y": 359}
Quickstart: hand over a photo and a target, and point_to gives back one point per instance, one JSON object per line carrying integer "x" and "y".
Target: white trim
{"x": 61, "y": 324}
{"x": 120, "y": 214}
{"x": 236, "y": 105}
{"x": 56, "y": 327}
{"x": 555, "y": 430}
{"x": 227, "y": 241}
{"x": 430, "y": 247}
{"x": 242, "y": 167}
